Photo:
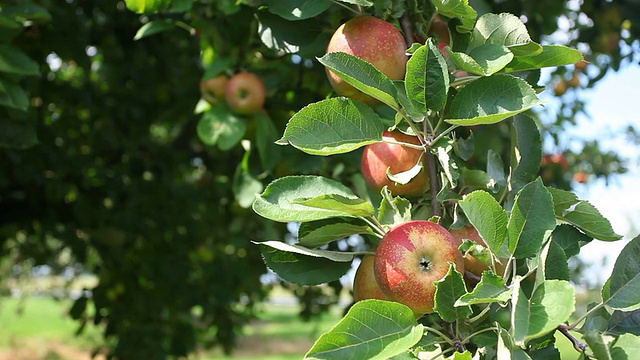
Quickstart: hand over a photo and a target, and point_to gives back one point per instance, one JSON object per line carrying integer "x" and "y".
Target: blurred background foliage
{"x": 103, "y": 171}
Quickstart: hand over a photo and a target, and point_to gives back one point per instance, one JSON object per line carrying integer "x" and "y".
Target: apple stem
{"x": 439, "y": 333}
{"x": 584, "y": 316}
{"x": 577, "y": 344}
{"x": 468, "y": 338}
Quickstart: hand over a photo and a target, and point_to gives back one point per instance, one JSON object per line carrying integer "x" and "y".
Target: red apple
{"x": 213, "y": 89}
{"x": 471, "y": 264}
{"x": 245, "y": 93}
{"x": 364, "y": 283}
{"x": 411, "y": 257}
{"x": 440, "y": 30}
{"x": 377, "y": 157}
{"x": 373, "y": 40}
{"x": 581, "y": 177}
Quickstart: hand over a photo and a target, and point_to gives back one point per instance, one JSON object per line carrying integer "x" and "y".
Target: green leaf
{"x": 12, "y": 95}
{"x": 245, "y": 187}
{"x": 148, "y": 6}
{"x": 448, "y": 290}
{"x": 556, "y": 264}
{"x": 427, "y": 78}
{"x": 624, "y": 322}
{"x": 495, "y": 169}
{"x": 17, "y": 134}
{"x": 485, "y": 59}
{"x": 333, "y": 126}
{"x": 443, "y": 150}
{"x": 458, "y": 9}
{"x": 507, "y": 349}
{"x": 504, "y": 29}
{"x": 219, "y": 126}
{"x": 27, "y": 12}
{"x": 14, "y": 61}
{"x": 551, "y": 56}
{"x": 551, "y": 304}
{"x": 581, "y": 214}
{"x": 588, "y": 219}
{"x": 372, "y": 329}
{"x": 266, "y": 136}
{"x": 491, "y": 99}
{"x": 320, "y": 232}
{"x": 598, "y": 345}
{"x": 304, "y": 266}
{"x": 626, "y": 347}
{"x": 362, "y": 75}
{"x": 491, "y": 288}
{"x": 526, "y": 152}
{"x": 298, "y": 9}
{"x": 277, "y": 202}
{"x": 532, "y": 220}
{"x": 154, "y": 27}
{"x": 624, "y": 288}
{"x": 354, "y": 207}
{"x": 393, "y": 210}
{"x": 487, "y": 216}
{"x": 365, "y": 3}
{"x": 279, "y": 34}
{"x": 10, "y": 28}
{"x": 597, "y": 320}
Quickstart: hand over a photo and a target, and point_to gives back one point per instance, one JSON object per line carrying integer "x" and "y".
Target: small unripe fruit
{"x": 213, "y": 89}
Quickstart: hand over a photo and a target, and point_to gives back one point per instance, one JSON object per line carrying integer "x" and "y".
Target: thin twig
{"x": 577, "y": 344}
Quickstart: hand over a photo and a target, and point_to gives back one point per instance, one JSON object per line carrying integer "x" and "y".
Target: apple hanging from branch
{"x": 381, "y": 158}
{"x": 373, "y": 40}
{"x": 411, "y": 257}
{"x": 245, "y": 93}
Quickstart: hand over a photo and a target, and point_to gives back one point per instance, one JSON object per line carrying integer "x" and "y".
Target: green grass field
{"x": 38, "y": 328}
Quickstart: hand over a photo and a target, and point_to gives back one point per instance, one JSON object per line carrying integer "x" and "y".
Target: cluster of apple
{"x": 244, "y": 92}
{"x": 563, "y": 84}
{"x": 411, "y": 256}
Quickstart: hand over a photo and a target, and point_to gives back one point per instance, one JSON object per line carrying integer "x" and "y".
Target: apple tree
{"x": 525, "y": 231}
{"x": 113, "y": 165}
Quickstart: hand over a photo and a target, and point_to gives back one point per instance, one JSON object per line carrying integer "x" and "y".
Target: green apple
{"x": 373, "y": 40}
{"x": 364, "y": 283}
{"x": 378, "y": 157}
{"x": 410, "y": 259}
{"x": 245, "y": 93}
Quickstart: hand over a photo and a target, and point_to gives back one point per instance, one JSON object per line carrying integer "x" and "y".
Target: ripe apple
{"x": 373, "y": 40}
{"x": 377, "y": 157}
{"x": 561, "y": 87}
{"x": 440, "y": 30}
{"x": 581, "y": 177}
{"x": 471, "y": 264}
{"x": 364, "y": 283}
{"x": 213, "y": 89}
{"x": 245, "y": 93}
{"x": 411, "y": 257}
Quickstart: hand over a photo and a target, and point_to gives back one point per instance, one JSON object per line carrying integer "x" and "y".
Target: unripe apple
{"x": 373, "y": 40}
{"x": 377, "y": 157}
{"x": 245, "y": 93}
{"x": 582, "y": 65}
{"x": 364, "y": 283}
{"x": 574, "y": 82}
{"x": 411, "y": 257}
{"x": 213, "y": 89}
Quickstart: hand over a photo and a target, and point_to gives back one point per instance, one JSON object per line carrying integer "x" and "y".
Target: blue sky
{"x": 613, "y": 105}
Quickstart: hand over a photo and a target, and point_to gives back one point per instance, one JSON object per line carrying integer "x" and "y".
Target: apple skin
{"x": 411, "y": 257}
{"x": 213, "y": 89}
{"x": 373, "y": 40}
{"x": 245, "y": 93}
{"x": 377, "y": 157}
{"x": 364, "y": 283}
{"x": 471, "y": 264}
